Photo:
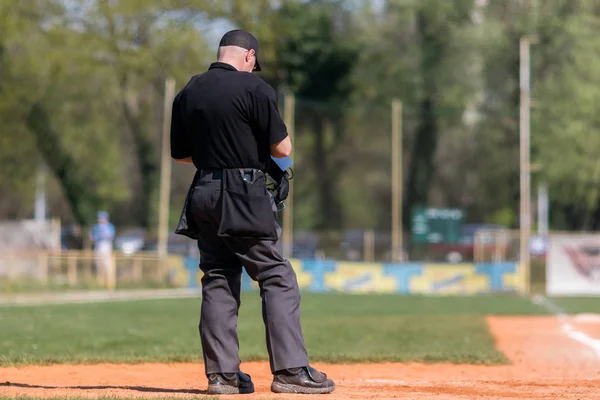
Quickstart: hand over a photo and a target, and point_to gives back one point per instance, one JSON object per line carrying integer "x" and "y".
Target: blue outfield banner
{"x": 407, "y": 278}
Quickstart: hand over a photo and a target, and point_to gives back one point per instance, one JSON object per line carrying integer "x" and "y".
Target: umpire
{"x": 225, "y": 121}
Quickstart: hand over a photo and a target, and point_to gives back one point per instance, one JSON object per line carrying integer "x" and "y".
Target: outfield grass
{"x": 337, "y": 328}
{"x": 25, "y": 286}
{"x": 575, "y": 305}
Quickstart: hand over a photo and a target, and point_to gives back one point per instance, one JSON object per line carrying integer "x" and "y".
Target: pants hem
{"x": 290, "y": 364}
{"x": 220, "y": 370}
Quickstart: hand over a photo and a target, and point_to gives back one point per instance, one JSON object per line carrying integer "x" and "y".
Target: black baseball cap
{"x": 243, "y": 39}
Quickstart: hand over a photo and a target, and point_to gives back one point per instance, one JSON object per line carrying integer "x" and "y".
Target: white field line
{"x": 566, "y": 326}
{"x": 586, "y": 318}
{"x": 96, "y": 297}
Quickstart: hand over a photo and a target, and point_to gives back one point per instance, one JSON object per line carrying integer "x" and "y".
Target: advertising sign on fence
{"x": 573, "y": 266}
{"x": 322, "y": 276}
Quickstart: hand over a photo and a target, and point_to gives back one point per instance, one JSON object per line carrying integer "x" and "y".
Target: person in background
{"x": 102, "y": 236}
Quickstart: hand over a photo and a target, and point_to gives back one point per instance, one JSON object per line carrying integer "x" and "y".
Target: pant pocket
{"x": 246, "y": 209}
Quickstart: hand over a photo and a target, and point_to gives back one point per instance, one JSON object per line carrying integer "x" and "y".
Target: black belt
{"x": 216, "y": 173}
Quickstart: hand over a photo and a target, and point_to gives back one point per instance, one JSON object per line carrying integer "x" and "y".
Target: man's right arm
{"x": 282, "y": 149}
{"x": 268, "y": 119}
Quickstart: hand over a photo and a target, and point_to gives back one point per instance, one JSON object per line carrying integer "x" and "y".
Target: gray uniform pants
{"x": 222, "y": 259}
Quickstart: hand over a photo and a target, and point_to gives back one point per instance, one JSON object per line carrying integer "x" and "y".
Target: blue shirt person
{"x": 103, "y": 232}
{"x": 102, "y": 235}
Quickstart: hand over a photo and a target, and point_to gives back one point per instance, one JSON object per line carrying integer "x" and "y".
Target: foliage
{"x": 82, "y": 87}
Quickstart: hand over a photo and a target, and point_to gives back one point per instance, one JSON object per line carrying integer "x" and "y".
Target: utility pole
{"x": 165, "y": 171}
{"x": 396, "y": 181}
{"x": 40, "y": 193}
{"x": 288, "y": 220}
{"x": 543, "y": 210}
{"x": 525, "y": 164}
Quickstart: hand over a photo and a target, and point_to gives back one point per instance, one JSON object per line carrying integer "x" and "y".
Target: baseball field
{"x": 373, "y": 346}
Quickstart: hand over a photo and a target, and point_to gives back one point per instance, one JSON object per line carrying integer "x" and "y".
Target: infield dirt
{"x": 546, "y": 364}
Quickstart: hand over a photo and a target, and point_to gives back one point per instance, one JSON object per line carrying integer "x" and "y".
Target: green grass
{"x": 390, "y": 304}
{"x": 575, "y": 305}
{"x": 337, "y": 328}
{"x": 24, "y": 286}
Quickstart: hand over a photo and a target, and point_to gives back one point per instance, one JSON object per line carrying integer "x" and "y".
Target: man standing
{"x": 102, "y": 236}
{"x": 226, "y": 122}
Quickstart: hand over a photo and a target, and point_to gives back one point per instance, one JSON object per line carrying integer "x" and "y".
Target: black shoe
{"x": 239, "y": 383}
{"x": 305, "y": 380}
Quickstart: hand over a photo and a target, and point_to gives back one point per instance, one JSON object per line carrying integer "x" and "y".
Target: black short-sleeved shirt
{"x": 225, "y": 118}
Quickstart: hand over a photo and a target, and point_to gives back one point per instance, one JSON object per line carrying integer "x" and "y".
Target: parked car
{"x": 353, "y": 245}
{"x": 71, "y": 237}
{"x": 305, "y": 245}
{"x": 176, "y": 244}
{"x": 130, "y": 241}
{"x": 465, "y": 249}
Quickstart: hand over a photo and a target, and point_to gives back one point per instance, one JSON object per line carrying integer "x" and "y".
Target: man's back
{"x": 227, "y": 123}
{"x": 225, "y": 120}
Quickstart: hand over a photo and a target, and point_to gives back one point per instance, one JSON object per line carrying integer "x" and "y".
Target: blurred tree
{"x": 425, "y": 54}
{"x": 97, "y": 98}
{"x": 30, "y": 36}
{"x": 316, "y": 54}
{"x": 144, "y": 43}
{"x": 16, "y": 179}
{"x": 563, "y": 79}
{"x": 565, "y": 120}
{"x": 81, "y": 91}
{"x": 497, "y": 130}
{"x": 443, "y": 53}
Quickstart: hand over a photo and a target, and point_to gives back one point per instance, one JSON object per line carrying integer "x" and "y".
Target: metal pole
{"x": 40, "y": 195}
{"x": 369, "y": 245}
{"x": 543, "y": 209}
{"x": 288, "y": 114}
{"x": 525, "y": 173}
{"x": 396, "y": 180}
{"x": 165, "y": 171}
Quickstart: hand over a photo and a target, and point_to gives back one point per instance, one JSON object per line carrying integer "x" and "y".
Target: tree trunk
{"x": 84, "y": 203}
{"x": 325, "y": 180}
{"x": 147, "y": 163}
{"x": 595, "y": 219}
{"x": 421, "y": 168}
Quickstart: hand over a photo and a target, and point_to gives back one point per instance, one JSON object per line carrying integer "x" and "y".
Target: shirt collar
{"x": 222, "y": 65}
